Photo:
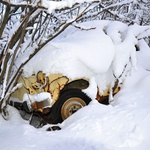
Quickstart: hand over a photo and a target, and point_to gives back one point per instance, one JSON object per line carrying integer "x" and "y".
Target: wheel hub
{"x": 71, "y": 106}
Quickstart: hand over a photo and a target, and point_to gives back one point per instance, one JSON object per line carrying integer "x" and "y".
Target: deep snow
{"x": 123, "y": 125}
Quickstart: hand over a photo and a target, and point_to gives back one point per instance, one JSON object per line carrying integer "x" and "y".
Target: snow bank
{"x": 122, "y": 125}
{"x": 143, "y": 54}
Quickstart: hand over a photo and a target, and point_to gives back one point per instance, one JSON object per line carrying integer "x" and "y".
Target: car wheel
{"x": 68, "y": 103}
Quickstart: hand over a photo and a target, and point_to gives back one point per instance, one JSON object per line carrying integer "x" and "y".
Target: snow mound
{"x": 122, "y": 125}
{"x": 91, "y": 47}
{"x": 76, "y": 53}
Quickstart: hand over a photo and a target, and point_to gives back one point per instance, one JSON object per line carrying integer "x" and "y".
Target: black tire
{"x": 69, "y": 102}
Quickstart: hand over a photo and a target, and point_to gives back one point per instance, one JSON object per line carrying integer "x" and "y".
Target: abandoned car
{"x": 52, "y": 99}
{"x": 61, "y": 79}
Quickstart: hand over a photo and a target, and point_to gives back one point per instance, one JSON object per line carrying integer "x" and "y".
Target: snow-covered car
{"x": 54, "y": 93}
{"x": 67, "y": 74}
{"x": 54, "y": 96}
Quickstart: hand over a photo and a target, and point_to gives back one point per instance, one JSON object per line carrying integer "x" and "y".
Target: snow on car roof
{"x": 99, "y": 49}
{"x": 76, "y": 52}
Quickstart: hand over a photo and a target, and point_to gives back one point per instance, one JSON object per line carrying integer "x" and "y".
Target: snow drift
{"x": 122, "y": 125}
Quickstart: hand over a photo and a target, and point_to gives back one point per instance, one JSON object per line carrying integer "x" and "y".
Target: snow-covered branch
{"x": 23, "y": 4}
{"x": 53, "y": 5}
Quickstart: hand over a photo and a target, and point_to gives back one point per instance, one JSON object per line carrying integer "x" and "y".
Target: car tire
{"x": 68, "y": 103}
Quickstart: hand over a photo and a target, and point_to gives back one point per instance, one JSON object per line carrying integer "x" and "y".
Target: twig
{"x": 81, "y": 28}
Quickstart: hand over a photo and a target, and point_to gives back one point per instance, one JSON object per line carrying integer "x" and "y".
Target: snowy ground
{"x": 123, "y": 125}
